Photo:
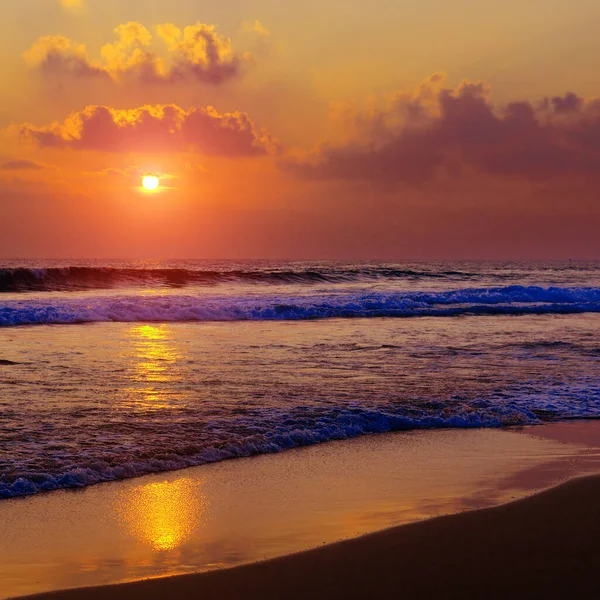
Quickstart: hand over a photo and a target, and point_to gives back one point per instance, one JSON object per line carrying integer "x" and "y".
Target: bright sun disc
{"x": 150, "y": 182}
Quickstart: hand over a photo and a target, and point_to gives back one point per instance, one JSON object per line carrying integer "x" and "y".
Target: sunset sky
{"x": 397, "y": 129}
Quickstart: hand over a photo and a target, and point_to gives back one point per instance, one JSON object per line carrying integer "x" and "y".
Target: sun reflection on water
{"x": 164, "y": 515}
{"x": 154, "y": 368}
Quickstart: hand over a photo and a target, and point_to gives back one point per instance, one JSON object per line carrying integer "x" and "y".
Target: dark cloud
{"x": 21, "y": 165}
{"x": 158, "y": 128}
{"x": 444, "y": 132}
{"x": 563, "y": 104}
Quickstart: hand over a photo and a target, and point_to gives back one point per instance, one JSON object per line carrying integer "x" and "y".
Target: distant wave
{"x": 86, "y": 278}
{"x": 509, "y": 300}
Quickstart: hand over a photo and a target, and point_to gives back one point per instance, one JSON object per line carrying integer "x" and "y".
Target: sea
{"x": 114, "y": 369}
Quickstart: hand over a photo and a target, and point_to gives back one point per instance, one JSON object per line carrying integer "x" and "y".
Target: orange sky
{"x": 430, "y": 129}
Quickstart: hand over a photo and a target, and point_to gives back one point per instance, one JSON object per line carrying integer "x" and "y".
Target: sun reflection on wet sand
{"x": 165, "y": 514}
{"x": 246, "y": 510}
{"x": 154, "y": 367}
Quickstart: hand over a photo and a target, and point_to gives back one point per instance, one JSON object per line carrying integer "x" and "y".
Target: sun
{"x": 150, "y": 182}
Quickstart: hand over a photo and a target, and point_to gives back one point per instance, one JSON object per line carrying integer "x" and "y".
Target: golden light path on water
{"x": 154, "y": 360}
{"x": 161, "y": 514}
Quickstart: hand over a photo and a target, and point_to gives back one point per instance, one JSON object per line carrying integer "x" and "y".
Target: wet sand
{"x": 544, "y": 546}
{"x": 219, "y": 516}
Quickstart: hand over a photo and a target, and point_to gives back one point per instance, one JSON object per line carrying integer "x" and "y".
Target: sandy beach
{"x": 384, "y": 512}
{"x": 299, "y": 300}
{"x": 545, "y": 546}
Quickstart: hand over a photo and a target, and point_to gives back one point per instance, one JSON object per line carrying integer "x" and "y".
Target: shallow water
{"x": 149, "y": 377}
{"x": 235, "y": 512}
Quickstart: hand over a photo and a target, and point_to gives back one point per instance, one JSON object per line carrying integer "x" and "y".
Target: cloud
{"x": 130, "y": 172}
{"x": 73, "y": 7}
{"x": 156, "y": 128}
{"x": 436, "y": 131}
{"x": 196, "y": 53}
{"x": 132, "y": 175}
{"x": 56, "y": 54}
{"x": 256, "y": 27}
{"x": 72, "y": 4}
{"x": 22, "y": 165}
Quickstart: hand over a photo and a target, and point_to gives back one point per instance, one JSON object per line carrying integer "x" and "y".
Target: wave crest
{"x": 86, "y": 278}
{"x": 274, "y": 431}
{"x": 510, "y": 300}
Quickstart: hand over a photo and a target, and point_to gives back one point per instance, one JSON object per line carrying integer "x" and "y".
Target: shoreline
{"x": 242, "y": 512}
{"x": 529, "y": 428}
{"x": 544, "y": 545}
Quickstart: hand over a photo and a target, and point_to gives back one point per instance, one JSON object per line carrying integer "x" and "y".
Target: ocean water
{"x": 111, "y": 370}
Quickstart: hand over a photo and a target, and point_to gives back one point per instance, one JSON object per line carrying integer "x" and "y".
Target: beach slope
{"x": 545, "y": 546}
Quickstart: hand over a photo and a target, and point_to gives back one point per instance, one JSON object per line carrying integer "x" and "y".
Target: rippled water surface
{"x": 112, "y": 370}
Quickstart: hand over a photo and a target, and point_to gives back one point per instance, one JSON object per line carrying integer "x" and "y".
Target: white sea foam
{"x": 511, "y": 300}
{"x": 275, "y": 430}
{"x": 110, "y": 403}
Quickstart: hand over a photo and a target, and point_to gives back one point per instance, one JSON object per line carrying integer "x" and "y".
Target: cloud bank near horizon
{"x": 437, "y": 132}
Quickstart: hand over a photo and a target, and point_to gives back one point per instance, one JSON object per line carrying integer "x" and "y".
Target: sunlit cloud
{"x": 437, "y": 131}
{"x": 257, "y": 27}
{"x": 128, "y": 172}
{"x": 133, "y": 174}
{"x": 72, "y": 4}
{"x": 156, "y": 128}
{"x": 73, "y": 7}
{"x": 58, "y": 54}
{"x": 196, "y": 53}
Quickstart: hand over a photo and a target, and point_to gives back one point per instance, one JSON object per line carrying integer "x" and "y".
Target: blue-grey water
{"x": 110, "y": 369}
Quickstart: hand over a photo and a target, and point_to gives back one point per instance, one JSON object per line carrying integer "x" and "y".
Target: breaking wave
{"x": 21, "y": 279}
{"x": 510, "y": 300}
{"x": 274, "y": 430}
